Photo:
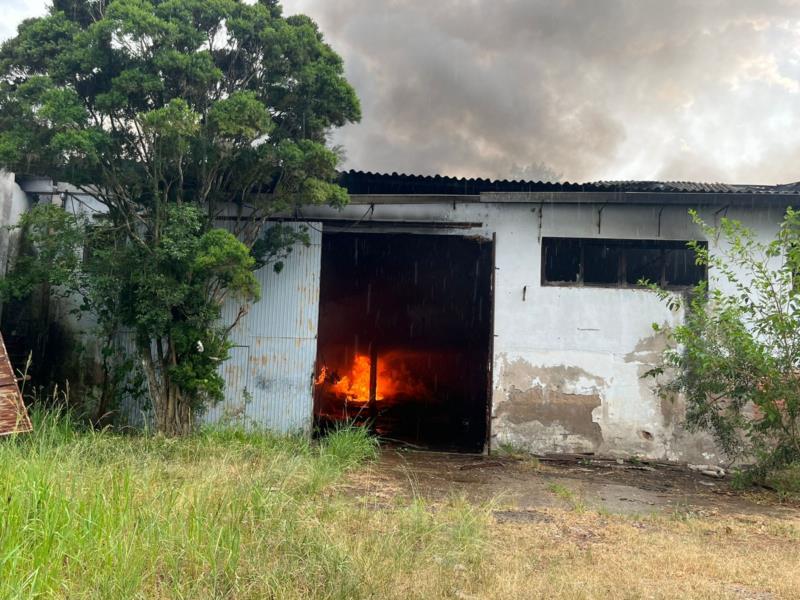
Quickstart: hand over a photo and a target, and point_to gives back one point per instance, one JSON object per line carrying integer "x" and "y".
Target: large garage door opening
{"x": 404, "y": 337}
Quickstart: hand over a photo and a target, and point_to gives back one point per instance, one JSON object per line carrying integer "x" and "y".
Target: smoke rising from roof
{"x": 619, "y": 89}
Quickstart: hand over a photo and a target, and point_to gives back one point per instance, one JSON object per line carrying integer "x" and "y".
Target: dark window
{"x": 682, "y": 268}
{"x": 562, "y": 262}
{"x": 619, "y": 263}
{"x": 643, "y": 263}
{"x": 601, "y": 262}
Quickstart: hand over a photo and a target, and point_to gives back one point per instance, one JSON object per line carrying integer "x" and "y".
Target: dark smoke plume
{"x": 585, "y": 89}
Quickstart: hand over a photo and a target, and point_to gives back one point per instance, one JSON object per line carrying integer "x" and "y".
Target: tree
{"x": 736, "y": 357}
{"x": 173, "y": 115}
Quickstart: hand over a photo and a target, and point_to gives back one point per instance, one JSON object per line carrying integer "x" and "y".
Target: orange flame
{"x": 323, "y": 375}
{"x": 392, "y": 375}
{"x": 355, "y": 385}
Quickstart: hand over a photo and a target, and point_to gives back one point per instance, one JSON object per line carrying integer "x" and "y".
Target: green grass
{"x": 228, "y": 514}
{"x": 561, "y": 491}
{"x": 567, "y": 495}
{"x": 222, "y": 514}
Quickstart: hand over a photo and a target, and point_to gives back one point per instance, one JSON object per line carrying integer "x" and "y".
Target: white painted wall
{"x": 13, "y": 202}
{"x": 568, "y": 361}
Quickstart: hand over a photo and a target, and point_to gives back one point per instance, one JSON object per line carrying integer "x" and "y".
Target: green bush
{"x": 736, "y": 357}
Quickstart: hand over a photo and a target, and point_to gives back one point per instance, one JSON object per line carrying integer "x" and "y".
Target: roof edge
{"x": 385, "y": 184}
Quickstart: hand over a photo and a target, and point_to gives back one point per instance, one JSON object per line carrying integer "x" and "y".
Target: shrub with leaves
{"x": 736, "y": 357}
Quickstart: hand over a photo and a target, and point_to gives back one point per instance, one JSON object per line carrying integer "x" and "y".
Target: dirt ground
{"x": 586, "y": 528}
{"x": 519, "y": 487}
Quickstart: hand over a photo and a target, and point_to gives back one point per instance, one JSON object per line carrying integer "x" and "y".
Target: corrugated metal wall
{"x": 269, "y": 377}
{"x": 134, "y": 410}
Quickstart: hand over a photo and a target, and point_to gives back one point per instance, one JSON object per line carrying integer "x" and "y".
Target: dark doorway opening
{"x": 405, "y": 335}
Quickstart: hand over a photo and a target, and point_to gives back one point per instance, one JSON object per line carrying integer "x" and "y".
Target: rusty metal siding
{"x": 13, "y": 415}
{"x": 269, "y": 375}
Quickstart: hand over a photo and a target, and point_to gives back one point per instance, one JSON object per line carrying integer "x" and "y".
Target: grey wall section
{"x": 269, "y": 377}
{"x": 133, "y": 411}
{"x": 13, "y": 202}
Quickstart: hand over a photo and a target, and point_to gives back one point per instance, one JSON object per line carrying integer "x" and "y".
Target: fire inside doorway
{"x": 405, "y": 336}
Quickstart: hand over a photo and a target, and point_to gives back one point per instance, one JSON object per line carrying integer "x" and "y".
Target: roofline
{"x": 360, "y": 182}
{"x": 575, "y": 197}
{"x": 648, "y": 198}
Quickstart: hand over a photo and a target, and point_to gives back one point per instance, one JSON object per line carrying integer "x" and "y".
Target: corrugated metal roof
{"x": 13, "y": 415}
{"x": 360, "y": 182}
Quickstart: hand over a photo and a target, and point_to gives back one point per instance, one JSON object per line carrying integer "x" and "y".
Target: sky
{"x": 577, "y": 90}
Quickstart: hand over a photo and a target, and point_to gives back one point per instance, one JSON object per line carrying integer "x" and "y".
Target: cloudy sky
{"x": 582, "y": 89}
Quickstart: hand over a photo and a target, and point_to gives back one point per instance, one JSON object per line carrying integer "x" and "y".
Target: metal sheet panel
{"x": 270, "y": 385}
{"x": 134, "y": 410}
{"x": 235, "y": 372}
{"x": 359, "y": 183}
{"x": 280, "y": 374}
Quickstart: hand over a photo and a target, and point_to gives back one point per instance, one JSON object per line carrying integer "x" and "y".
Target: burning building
{"x": 462, "y": 314}
{"x": 404, "y": 336}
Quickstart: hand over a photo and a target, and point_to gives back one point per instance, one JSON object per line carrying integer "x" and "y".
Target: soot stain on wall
{"x": 572, "y": 411}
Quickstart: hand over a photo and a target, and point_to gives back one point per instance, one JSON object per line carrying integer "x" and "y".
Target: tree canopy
{"x": 173, "y": 115}
{"x": 152, "y": 102}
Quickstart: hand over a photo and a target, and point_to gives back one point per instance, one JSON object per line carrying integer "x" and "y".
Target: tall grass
{"x": 222, "y": 514}
{"x": 226, "y": 514}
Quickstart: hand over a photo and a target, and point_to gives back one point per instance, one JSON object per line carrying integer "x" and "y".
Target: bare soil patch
{"x": 513, "y": 484}
{"x": 598, "y": 529}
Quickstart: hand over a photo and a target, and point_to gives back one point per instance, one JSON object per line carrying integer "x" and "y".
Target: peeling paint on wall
{"x": 556, "y": 408}
{"x": 549, "y": 409}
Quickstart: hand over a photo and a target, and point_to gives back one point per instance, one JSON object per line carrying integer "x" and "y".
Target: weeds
{"x": 786, "y": 482}
{"x": 507, "y": 450}
{"x": 561, "y": 491}
{"x": 233, "y": 514}
{"x": 567, "y": 495}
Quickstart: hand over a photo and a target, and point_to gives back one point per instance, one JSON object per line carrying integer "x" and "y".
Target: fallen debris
{"x": 708, "y": 470}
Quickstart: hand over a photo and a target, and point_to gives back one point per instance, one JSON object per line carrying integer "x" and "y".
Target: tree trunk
{"x": 109, "y": 386}
{"x": 172, "y": 412}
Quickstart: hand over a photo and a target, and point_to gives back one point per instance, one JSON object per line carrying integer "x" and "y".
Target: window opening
{"x": 619, "y": 263}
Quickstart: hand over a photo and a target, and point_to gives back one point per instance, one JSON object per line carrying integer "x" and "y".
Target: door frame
{"x": 404, "y": 229}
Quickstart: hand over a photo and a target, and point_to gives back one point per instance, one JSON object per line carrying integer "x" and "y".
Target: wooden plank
{"x": 13, "y": 414}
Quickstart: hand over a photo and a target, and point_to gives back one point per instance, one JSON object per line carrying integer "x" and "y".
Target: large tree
{"x": 172, "y": 115}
